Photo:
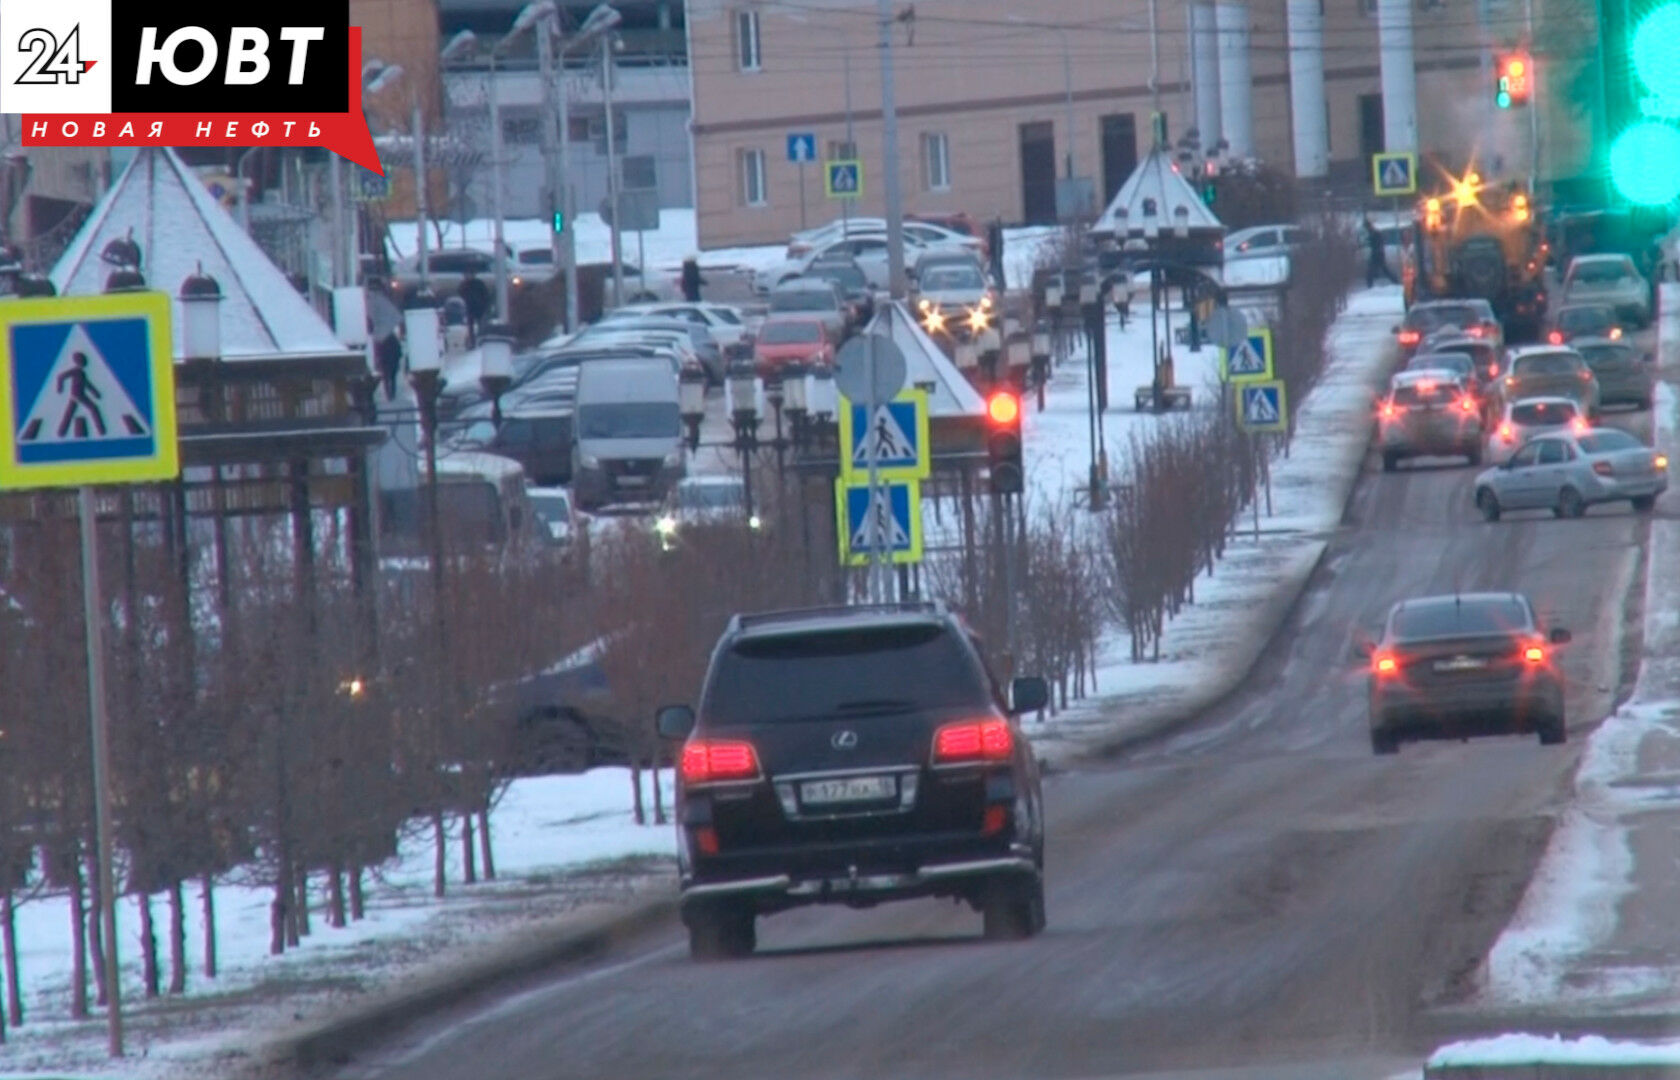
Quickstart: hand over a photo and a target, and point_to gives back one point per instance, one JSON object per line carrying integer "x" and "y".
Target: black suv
{"x": 854, "y": 755}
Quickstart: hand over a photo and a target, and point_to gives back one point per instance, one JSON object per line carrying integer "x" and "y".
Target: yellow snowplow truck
{"x": 1486, "y": 242}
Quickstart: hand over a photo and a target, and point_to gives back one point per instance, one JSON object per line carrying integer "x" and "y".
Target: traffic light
{"x": 1003, "y": 442}
{"x": 1645, "y": 156}
{"x": 1515, "y": 73}
{"x": 559, "y": 221}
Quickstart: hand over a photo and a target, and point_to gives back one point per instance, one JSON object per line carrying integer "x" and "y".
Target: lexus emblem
{"x": 844, "y": 740}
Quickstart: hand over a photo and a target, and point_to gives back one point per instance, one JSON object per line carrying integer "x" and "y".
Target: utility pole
{"x": 612, "y": 170}
{"x": 553, "y": 151}
{"x": 889, "y": 139}
{"x": 420, "y": 215}
{"x": 498, "y": 208}
{"x": 1533, "y": 102}
{"x": 342, "y": 274}
{"x": 1067, "y": 82}
{"x": 851, "y": 145}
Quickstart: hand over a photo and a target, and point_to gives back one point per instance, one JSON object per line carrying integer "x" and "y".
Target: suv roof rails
{"x": 764, "y": 618}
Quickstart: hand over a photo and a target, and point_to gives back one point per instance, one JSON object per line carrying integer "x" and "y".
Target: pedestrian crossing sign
{"x": 1262, "y": 407}
{"x": 87, "y": 391}
{"x": 1250, "y": 360}
{"x": 898, "y": 435}
{"x": 1394, "y": 174}
{"x": 894, "y": 515}
{"x": 843, "y": 179}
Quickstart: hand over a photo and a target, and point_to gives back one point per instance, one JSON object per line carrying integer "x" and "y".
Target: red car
{"x": 785, "y": 338}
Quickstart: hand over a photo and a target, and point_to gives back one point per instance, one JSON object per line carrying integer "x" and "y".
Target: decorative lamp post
{"x": 1181, "y": 222}
{"x": 425, "y": 374}
{"x": 691, "y": 398}
{"x": 201, "y": 317}
{"x": 495, "y": 373}
{"x": 123, "y": 251}
{"x": 775, "y": 395}
{"x": 125, "y": 279}
{"x": 796, "y": 401}
{"x": 743, "y": 414}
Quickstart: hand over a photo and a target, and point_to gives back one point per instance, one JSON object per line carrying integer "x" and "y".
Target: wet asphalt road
{"x": 1254, "y": 897}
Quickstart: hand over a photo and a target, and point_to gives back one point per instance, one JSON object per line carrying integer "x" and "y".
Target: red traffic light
{"x": 1003, "y": 407}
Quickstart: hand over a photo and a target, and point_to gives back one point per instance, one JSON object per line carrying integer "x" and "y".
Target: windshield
{"x": 1581, "y": 319}
{"x": 1458, "y": 363}
{"x": 803, "y": 300}
{"x": 1433, "y": 318}
{"x": 1549, "y": 364}
{"x": 952, "y": 278}
{"x": 724, "y": 315}
{"x": 711, "y": 496}
{"x": 1604, "y": 442}
{"x": 1448, "y": 618}
{"x": 853, "y": 672}
{"x": 552, "y": 507}
{"x": 791, "y": 332}
{"x": 630, "y": 420}
{"x": 1535, "y": 413}
{"x": 1599, "y": 273}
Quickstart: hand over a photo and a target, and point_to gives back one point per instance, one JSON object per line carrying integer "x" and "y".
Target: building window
{"x": 638, "y": 172}
{"x": 598, "y": 132}
{"x": 519, "y": 129}
{"x": 577, "y": 129}
{"x": 747, "y": 57}
{"x": 936, "y": 161}
{"x": 839, "y": 150}
{"x": 752, "y": 178}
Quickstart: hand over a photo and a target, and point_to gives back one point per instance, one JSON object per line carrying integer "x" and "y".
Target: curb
{"x": 334, "y": 1042}
{"x": 1600, "y": 1071}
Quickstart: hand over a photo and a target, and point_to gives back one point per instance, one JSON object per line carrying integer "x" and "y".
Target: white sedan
{"x": 1567, "y": 471}
{"x": 1526, "y": 418}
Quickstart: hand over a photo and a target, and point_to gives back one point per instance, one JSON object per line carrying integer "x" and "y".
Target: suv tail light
{"x": 1580, "y": 425}
{"x": 711, "y": 761}
{"x": 1467, "y": 403}
{"x": 1391, "y": 409}
{"x": 1555, "y": 337}
{"x": 1385, "y": 664}
{"x": 1410, "y": 337}
{"x": 1535, "y": 654}
{"x": 1506, "y": 433}
{"x": 1603, "y": 468}
{"x": 973, "y": 740}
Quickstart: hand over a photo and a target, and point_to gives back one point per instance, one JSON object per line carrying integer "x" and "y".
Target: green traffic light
{"x": 559, "y": 221}
{"x": 1655, "y": 57}
{"x": 1645, "y": 163}
{"x": 1502, "y": 99}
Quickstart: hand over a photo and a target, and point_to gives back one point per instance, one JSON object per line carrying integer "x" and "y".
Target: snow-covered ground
{"x": 1552, "y": 1050}
{"x": 1594, "y": 931}
{"x": 549, "y": 834}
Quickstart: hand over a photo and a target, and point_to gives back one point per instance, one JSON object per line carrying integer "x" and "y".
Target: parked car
{"x": 1526, "y": 418}
{"x": 1544, "y": 371}
{"x": 1264, "y": 240}
{"x": 701, "y": 501}
{"x": 1429, "y": 413}
{"x": 1449, "y": 667}
{"x": 1612, "y": 280}
{"x": 446, "y": 269}
{"x": 790, "y": 337}
{"x": 1583, "y": 321}
{"x": 957, "y": 222}
{"x": 1474, "y": 318}
{"x": 1623, "y": 373}
{"x": 724, "y": 322}
{"x": 1567, "y": 471}
{"x": 854, "y": 285}
{"x": 801, "y": 244}
{"x": 559, "y": 523}
{"x": 812, "y": 296}
{"x": 854, "y": 755}
{"x": 642, "y": 286}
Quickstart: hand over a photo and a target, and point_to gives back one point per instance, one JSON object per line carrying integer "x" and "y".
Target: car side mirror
{"x": 1028, "y": 694}
{"x": 1561, "y": 636}
{"x": 674, "y": 722}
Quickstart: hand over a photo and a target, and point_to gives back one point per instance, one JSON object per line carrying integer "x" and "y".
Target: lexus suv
{"x": 1449, "y": 667}
{"x": 854, "y": 755}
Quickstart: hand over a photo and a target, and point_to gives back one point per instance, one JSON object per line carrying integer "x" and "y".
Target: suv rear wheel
{"x": 1012, "y": 908}
{"x": 721, "y": 932}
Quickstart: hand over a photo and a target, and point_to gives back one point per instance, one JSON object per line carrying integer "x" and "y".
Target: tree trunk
{"x": 207, "y": 895}
{"x": 96, "y": 934}
{"x": 358, "y": 908}
{"x": 177, "y": 939}
{"x": 636, "y": 787}
{"x": 14, "y": 982}
{"x": 78, "y": 945}
{"x": 335, "y": 897}
{"x": 301, "y": 905}
{"x": 486, "y": 853}
{"x": 440, "y": 862}
{"x": 658, "y": 795}
{"x": 148, "y": 949}
{"x": 469, "y": 854}
{"x": 278, "y": 916}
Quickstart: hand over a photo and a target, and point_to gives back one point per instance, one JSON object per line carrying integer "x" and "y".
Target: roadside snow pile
{"x": 1520, "y": 1049}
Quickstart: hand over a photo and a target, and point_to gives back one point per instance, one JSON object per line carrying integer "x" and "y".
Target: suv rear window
{"x": 1550, "y": 364}
{"x": 1433, "y": 318}
{"x": 857, "y": 672}
{"x": 1439, "y": 393}
{"x": 1448, "y": 619}
{"x": 1543, "y": 412}
{"x": 1584, "y": 319}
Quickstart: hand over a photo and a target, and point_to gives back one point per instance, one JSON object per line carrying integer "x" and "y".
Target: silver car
{"x": 1612, "y": 280}
{"x": 1568, "y": 471}
{"x": 1429, "y": 413}
{"x": 1529, "y": 418}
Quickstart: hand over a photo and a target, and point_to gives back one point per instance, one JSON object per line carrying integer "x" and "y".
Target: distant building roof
{"x": 1151, "y": 200}
{"x": 164, "y": 206}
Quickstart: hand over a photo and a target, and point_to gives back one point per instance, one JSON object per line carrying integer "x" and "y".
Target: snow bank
{"x": 1520, "y": 1049}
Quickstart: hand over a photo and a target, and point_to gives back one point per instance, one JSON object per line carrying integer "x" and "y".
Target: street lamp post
{"x": 613, "y": 200}
{"x": 425, "y": 374}
{"x": 691, "y": 397}
{"x": 495, "y": 351}
{"x": 498, "y": 206}
{"x": 743, "y": 415}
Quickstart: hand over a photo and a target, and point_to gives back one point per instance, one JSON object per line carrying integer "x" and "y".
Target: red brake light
{"x": 1534, "y": 654}
{"x": 1410, "y": 337}
{"x": 710, "y": 761}
{"x": 1506, "y": 433}
{"x": 1467, "y": 403}
{"x": 1603, "y": 468}
{"x": 1383, "y": 664}
{"x": 1555, "y": 338}
{"x": 973, "y": 740}
{"x": 1586, "y": 376}
{"x": 1581, "y": 426}
{"x": 1615, "y": 333}
{"x": 1390, "y": 409}
{"x": 1476, "y": 331}
{"x": 1493, "y": 369}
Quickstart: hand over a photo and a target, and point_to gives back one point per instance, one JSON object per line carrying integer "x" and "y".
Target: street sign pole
{"x": 801, "y": 193}
{"x": 93, "y": 616}
{"x": 877, "y": 534}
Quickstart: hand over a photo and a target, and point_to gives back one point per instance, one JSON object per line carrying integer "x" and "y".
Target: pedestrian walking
{"x": 476, "y": 295}
{"x": 994, "y": 249}
{"x": 457, "y": 326}
{"x": 1378, "y": 262}
{"x": 388, "y": 353}
{"x": 691, "y": 279}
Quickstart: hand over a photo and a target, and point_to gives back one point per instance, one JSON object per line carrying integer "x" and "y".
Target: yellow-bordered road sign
{"x": 1394, "y": 174}
{"x": 1262, "y": 407}
{"x": 1252, "y": 359}
{"x": 899, "y": 434}
{"x": 898, "y": 517}
{"x": 87, "y": 391}
{"x": 843, "y": 179}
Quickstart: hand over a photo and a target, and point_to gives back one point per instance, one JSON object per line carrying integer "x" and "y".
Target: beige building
{"x": 988, "y": 91}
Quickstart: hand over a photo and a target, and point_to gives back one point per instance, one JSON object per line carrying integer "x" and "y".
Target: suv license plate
{"x": 850, "y": 789}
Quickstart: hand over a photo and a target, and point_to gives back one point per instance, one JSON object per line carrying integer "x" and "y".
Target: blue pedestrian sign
{"x": 843, "y": 179}
{"x": 898, "y": 436}
{"x": 894, "y": 517}
{"x": 802, "y": 146}
{"x": 1250, "y": 360}
{"x": 1262, "y": 407}
{"x": 1394, "y": 174}
{"x": 87, "y": 391}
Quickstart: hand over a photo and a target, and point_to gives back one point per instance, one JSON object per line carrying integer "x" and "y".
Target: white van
{"x": 627, "y": 432}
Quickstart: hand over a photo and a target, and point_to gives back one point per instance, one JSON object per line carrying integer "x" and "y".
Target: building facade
{"x": 997, "y": 100}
